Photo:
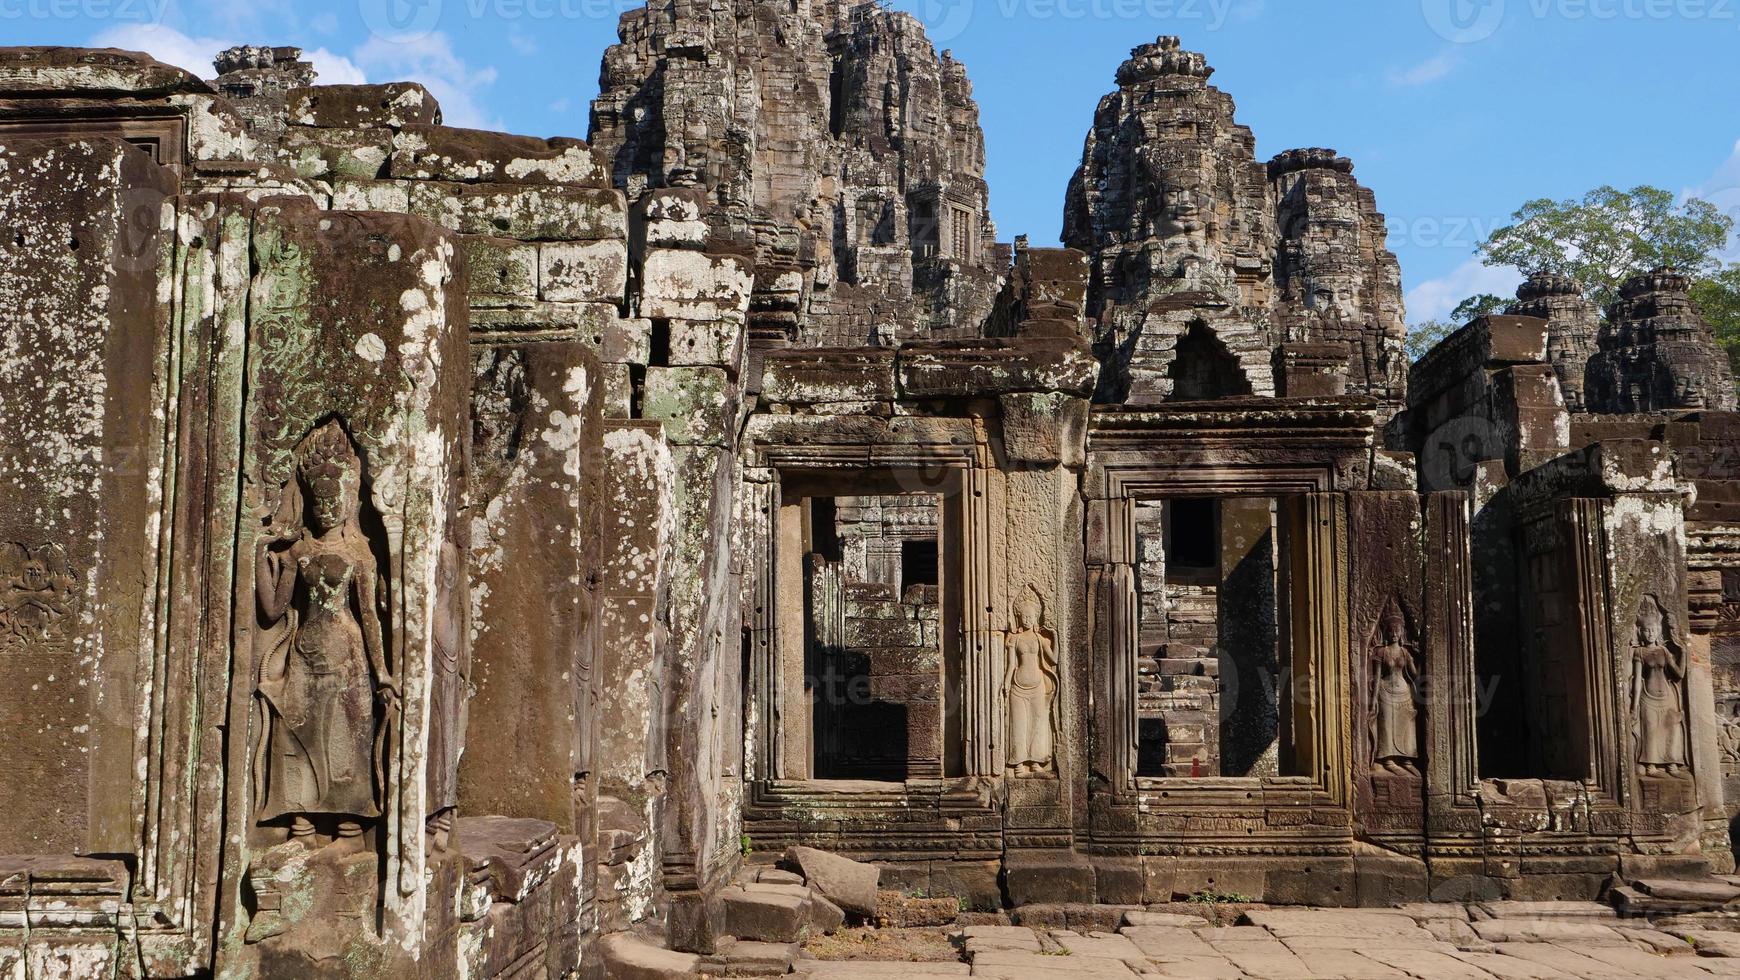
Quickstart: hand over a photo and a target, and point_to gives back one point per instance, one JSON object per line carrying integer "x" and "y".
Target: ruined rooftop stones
{"x": 1187, "y": 229}
{"x": 837, "y": 147}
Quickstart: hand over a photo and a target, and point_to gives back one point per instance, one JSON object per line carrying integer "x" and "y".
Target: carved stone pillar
{"x": 354, "y": 471}
{"x": 1321, "y": 687}
{"x": 1389, "y": 679}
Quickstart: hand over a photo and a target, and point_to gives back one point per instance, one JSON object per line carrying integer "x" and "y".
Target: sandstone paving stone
{"x": 1215, "y": 935}
{"x": 1427, "y": 963}
{"x": 1271, "y": 961}
{"x": 1546, "y": 931}
{"x": 1010, "y": 965}
{"x": 1513, "y": 967}
{"x": 1657, "y": 941}
{"x": 1099, "y": 945}
{"x": 1137, "y": 917}
{"x": 1643, "y": 964}
{"x": 1346, "y": 964}
{"x": 1342, "y": 922}
{"x": 835, "y": 969}
{"x": 1424, "y": 941}
{"x": 1458, "y": 933}
{"x": 1545, "y": 910}
{"x": 1709, "y": 942}
{"x": 1018, "y": 938}
{"x": 767, "y": 914}
{"x": 1200, "y": 968}
{"x": 628, "y": 958}
{"x": 1566, "y": 960}
{"x": 1168, "y": 942}
{"x": 1424, "y": 911}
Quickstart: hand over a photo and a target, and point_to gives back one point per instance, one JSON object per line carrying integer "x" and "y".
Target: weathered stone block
{"x": 812, "y": 377}
{"x": 501, "y": 272}
{"x": 357, "y": 154}
{"x": 696, "y": 404}
{"x": 362, "y": 106}
{"x": 371, "y": 195}
{"x": 90, "y": 72}
{"x": 670, "y": 217}
{"x": 534, "y": 213}
{"x": 687, "y": 285}
{"x": 583, "y": 272}
{"x": 423, "y": 152}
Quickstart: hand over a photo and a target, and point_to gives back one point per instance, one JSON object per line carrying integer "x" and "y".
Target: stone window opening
{"x": 963, "y": 235}
{"x": 918, "y": 564}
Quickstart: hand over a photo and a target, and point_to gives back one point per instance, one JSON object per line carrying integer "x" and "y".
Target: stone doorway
{"x": 873, "y": 644}
{"x": 1210, "y": 669}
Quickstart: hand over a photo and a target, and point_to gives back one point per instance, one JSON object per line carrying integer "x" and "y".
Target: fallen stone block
{"x": 852, "y": 885}
{"x": 627, "y": 958}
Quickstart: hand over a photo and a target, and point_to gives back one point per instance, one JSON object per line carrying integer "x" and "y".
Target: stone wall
{"x": 421, "y": 543}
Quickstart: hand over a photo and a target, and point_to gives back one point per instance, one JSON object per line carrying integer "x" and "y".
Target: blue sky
{"x": 1455, "y": 111}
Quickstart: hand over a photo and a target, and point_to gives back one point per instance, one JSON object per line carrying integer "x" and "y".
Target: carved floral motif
{"x": 38, "y": 595}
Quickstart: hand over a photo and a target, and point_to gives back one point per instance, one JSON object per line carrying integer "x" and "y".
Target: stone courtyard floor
{"x": 1492, "y": 939}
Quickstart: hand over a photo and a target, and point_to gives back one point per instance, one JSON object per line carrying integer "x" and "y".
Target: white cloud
{"x": 166, "y": 44}
{"x": 195, "y": 54}
{"x": 333, "y": 69}
{"x": 430, "y": 60}
{"x": 1428, "y": 71}
{"x": 1435, "y": 298}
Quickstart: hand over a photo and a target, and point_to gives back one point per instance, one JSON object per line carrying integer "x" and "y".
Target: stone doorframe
{"x": 1305, "y": 453}
{"x": 794, "y": 458}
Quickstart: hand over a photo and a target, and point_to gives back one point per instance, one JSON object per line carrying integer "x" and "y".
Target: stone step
{"x": 743, "y": 958}
{"x": 628, "y": 958}
{"x": 778, "y": 913}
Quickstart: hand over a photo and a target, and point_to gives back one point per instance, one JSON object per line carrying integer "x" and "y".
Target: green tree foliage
{"x": 1718, "y": 297}
{"x": 1609, "y": 235}
{"x": 1422, "y": 337}
{"x": 1475, "y": 307}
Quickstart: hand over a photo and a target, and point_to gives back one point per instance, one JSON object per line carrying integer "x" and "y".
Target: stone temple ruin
{"x": 431, "y": 552}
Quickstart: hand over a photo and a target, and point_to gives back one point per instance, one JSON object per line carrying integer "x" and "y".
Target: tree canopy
{"x": 1603, "y": 239}
{"x": 1611, "y": 235}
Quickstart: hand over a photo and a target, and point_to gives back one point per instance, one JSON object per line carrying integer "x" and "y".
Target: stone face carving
{"x": 1186, "y": 231}
{"x": 1030, "y": 685}
{"x": 1657, "y": 352}
{"x": 1657, "y": 694}
{"x": 1393, "y": 711}
{"x": 38, "y": 595}
{"x": 324, "y": 670}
